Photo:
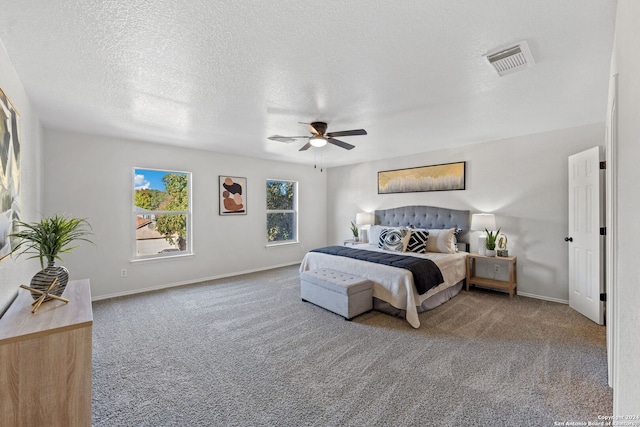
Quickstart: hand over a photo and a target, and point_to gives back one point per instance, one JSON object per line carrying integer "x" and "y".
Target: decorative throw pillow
{"x": 394, "y": 239}
{"x": 418, "y": 241}
{"x": 442, "y": 241}
{"x": 375, "y": 230}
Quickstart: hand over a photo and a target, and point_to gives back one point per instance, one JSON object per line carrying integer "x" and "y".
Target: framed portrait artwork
{"x": 233, "y": 195}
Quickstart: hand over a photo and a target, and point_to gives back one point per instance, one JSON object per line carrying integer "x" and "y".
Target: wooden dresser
{"x": 45, "y": 360}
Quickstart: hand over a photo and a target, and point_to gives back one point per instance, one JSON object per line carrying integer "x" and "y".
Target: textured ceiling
{"x": 224, "y": 75}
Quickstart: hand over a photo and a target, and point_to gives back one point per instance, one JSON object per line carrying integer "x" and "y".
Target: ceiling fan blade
{"x": 281, "y": 138}
{"x": 339, "y": 143}
{"x": 347, "y": 133}
{"x": 305, "y": 147}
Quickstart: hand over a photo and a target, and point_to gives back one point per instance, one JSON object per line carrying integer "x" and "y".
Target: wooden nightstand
{"x": 510, "y": 285}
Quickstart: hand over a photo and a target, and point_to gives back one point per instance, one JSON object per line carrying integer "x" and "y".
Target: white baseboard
{"x": 190, "y": 282}
{"x": 255, "y": 270}
{"x": 561, "y": 301}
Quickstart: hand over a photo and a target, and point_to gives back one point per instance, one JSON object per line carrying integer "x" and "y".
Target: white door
{"x": 586, "y": 216}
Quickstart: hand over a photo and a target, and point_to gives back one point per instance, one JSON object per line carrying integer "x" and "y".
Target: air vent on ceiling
{"x": 511, "y": 59}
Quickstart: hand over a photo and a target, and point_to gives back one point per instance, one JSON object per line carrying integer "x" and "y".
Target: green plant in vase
{"x": 491, "y": 241}
{"x": 355, "y": 231}
{"x": 46, "y": 240}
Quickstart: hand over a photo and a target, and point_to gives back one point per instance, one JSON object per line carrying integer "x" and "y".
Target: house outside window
{"x": 162, "y": 213}
{"x": 282, "y": 211}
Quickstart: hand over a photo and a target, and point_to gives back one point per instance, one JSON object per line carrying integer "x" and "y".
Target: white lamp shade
{"x": 364, "y": 218}
{"x": 483, "y": 221}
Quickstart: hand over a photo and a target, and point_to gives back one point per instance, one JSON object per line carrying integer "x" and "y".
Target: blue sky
{"x": 149, "y": 179}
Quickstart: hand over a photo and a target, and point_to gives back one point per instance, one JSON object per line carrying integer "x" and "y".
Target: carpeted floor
{"x": 246, "y": 351}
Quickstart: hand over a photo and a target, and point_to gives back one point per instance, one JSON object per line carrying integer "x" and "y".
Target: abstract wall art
{"x": 444, "y": 177}
{"x": 9, "y": 173}
{"x": 233, "y": 195}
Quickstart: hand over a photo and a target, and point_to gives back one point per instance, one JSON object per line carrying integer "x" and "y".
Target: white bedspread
{"x": 391, "y": 284}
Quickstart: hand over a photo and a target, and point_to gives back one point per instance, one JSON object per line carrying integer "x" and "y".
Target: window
{"x": 162, "y": 213}
{"x": 282, "y": 211}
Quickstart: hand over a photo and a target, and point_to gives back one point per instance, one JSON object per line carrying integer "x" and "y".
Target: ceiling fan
{"x": 319, "y": 136}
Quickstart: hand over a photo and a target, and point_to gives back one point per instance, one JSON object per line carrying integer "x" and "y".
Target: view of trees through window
{"x": 161, "y": 206}
{"x": 281, "y": 211}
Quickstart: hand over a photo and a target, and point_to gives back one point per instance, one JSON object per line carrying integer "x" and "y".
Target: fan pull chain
{"x": 315, "y": 159}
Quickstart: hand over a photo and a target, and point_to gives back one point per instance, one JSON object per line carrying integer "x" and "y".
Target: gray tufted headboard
{"x": 424, "y": 217}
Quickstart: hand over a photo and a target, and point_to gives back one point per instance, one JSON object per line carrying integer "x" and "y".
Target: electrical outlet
{"x": 496, "y": 268}
{"x": 123, "y": 272}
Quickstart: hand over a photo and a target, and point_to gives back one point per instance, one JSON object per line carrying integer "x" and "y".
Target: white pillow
{"x": 374, "y": 234}
{"x": 394, "y": 239}
{"x": 442, "y": 240}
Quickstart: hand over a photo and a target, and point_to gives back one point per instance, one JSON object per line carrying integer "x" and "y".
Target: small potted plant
{"x": 355, "y": 231}
{"x": 47, "y": 239}
{"x": 491, "y": 241}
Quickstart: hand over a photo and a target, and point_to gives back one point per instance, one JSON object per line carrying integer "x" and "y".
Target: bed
{"x": 394, "y": 290}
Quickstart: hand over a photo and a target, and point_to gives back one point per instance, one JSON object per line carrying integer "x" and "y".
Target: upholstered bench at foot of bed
{"x": 341, "y": 293}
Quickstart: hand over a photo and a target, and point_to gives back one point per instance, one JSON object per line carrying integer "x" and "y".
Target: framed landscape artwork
{"x": 233, "y": 195}
{"x": 9, "y": 172}
{"x": 445, "y": 177}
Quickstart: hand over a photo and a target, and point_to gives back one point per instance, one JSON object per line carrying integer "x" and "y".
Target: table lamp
{"x": 481, "y": 222}
{"x": 362, "y": 220}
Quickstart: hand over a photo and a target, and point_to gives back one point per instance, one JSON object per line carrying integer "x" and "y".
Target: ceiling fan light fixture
{"x": 320, "y": 137}
{"x": 318, "y": 141}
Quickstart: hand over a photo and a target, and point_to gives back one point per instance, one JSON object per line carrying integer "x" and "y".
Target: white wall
{"x": 14, "y": 272}
{"x": 522, "y": 180}
{"x": 91, "y": 176}
{"x": 626, "y": 384}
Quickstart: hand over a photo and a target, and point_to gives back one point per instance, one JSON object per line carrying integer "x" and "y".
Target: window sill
{"x": 160, "y": 258}
{"x": 275, "y": 245}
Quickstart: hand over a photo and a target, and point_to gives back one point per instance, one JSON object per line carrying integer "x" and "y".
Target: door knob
{"x": 568, "y": 239}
